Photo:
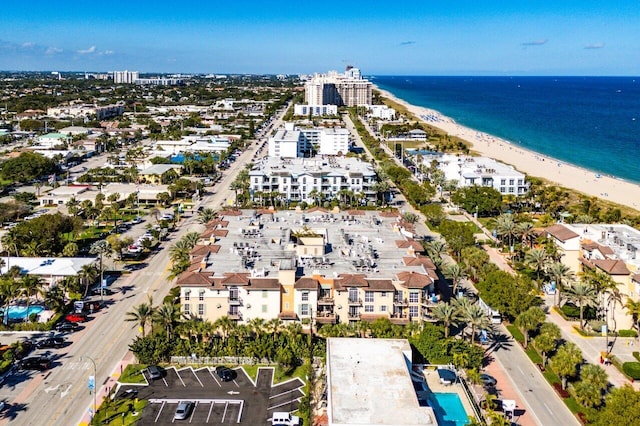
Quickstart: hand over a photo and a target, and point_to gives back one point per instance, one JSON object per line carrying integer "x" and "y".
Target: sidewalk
{"x": 506, "y": 390}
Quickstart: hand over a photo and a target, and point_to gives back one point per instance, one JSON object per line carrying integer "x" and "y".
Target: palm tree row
{"x": 461, "y": 311}
{"x": 179, "y": 253}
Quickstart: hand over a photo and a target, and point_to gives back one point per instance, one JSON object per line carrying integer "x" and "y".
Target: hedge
{"x": 632, "y": 369}
{"x": 627, "y": 333}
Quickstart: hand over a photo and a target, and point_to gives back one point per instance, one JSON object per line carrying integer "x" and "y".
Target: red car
{"x": 76, "y": 318}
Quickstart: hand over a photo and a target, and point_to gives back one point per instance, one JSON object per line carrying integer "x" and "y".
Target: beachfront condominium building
{"x": 315, "y": 110}
{"x": 306, "y": 179}
{"x": 347, "y": 89}
{"x": 382, "y": 112}
{"x": 125, "y": 77}
{"x": 292, "y": 142}
{"x": 480, "y": 171}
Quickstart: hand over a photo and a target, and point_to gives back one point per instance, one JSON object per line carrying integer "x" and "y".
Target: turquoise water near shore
{"x": 592, "y": 122}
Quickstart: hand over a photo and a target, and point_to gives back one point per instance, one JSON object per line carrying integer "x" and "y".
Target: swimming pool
{"x": 20, "y": 311}
{"x": 448, "y": 409}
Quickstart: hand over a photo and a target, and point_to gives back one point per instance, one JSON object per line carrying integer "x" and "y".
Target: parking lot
{"x": 238, "y": 402}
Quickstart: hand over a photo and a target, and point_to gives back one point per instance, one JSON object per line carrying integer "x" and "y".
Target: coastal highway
{"x": 60, "y": 396}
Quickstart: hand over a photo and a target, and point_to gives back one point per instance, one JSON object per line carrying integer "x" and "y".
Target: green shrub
{"x": 627, "y": 333}
{"x": 573, "y": 311}
{"x": 636, "y": 355}
{"x": 632, "y": 369}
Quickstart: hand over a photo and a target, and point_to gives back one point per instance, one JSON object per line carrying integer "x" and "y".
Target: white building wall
{"x": 334, "y": 142}
{"x": 259, "y": 303}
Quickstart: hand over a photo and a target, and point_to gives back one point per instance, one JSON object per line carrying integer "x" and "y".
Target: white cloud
{"x": 594, "y": 46}
{"x": 108, "y": 52}
{"x": 92, "y": 49}
{"x": 28, "y": 44}
{"x": 53, "y": 50}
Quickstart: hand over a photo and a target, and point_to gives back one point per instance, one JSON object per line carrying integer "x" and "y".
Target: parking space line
{"x": 193, "y": 412}
{"x": 181, "y": 381}
{"x": 236, "y": 383}
{"x": 284, "y": 393}
{"x": 283, "y": 404}
{"x": 224, "y": 414}
{"x": 165, "y": 382}
{"x": 214, "y": 377}
{"x": 240, "y": 411}
{"x": 210, "y": 410}
{"x": 159, "y": 412}
{"x": 197, "y": 378}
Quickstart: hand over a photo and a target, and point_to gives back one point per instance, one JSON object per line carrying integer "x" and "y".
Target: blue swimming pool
{"x": 20, "y": 311}
{"x": 448, "y": 409}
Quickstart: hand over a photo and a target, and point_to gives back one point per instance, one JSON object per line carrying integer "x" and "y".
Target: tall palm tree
{"x": 455, "y": 272}
{"x": 166, "y": 315}
{"x": 475, "y": 317}
{"x": 583, "y": 294}
{"x": 9, "y": 290}
{"x": 633, "y": 309}
{"x": 537, "y": 259}
{"x": 142, "y": 314}
{"x": 561, "y": 274}
{"x": 506, "y": 227}
{"x": 446, "y": 313}
{"x": 525, "y": 231}
{"x": 436, "y": 249}
{"x": 30, "y": 285}
{"x": 191, "y": 239}
{"x": 88, "y": 275}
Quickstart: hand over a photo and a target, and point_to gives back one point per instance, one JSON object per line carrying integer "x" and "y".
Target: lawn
{"x": 280, "y": 374}
{"x": 119, "y": 412}
{"x": 133, "y": 374}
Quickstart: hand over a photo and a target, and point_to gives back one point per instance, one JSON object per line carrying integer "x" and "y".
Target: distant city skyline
{"x": 463, "y": 37}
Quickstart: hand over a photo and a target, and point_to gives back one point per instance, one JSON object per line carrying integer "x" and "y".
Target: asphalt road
{"x": 60, "y": 396}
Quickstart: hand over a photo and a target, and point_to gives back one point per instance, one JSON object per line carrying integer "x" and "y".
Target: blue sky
{"x": 449, "y": 37}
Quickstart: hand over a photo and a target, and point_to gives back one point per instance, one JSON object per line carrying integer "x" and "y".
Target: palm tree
{"x": 381, "y": 188}
{"x": 191, "y": 239}
{"x": 561, "y": 274}
{"x": 142, "y": 314}
{"x": 88, "y": 275}
{"x": 537, "y": 259}
{"x": 582, "y": 294}
{"x": 9, "y": 290}
{"x": 471, "y": 314}
{"x": 529, "y": 321}
{"x": 506, "y": 227}
{"x": 155, "y": 213}
{"x": 633, "y": 309}
{"x": 54, "y": 299}
{"x": 455, "y": 272}
{"x": 167, "y": 315}
{"x": 525, "y": 231}
{"x": 435, "y": 249}
{"x": 30, "y": 285}
{"x": 446, "y": 313}
{"x": 547, "y": 340}
{"x": 207, "y": 215}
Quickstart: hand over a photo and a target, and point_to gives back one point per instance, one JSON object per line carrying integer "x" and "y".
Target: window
{"x": 368, "y": 308}
{"x": 265, "y": 294}
{"x": 414, "y": 297}
{"x": 304, "y": 310}
{"x": 503, "y": 181}
{"x": 187, "y": 295}
{"x": 511, "y": 189}
{"x": 186, "y": 308}
{"x": 502, "y": 189}
{"x": 305, "y": 296}
{"x": 201, "y": 296}
{"x": 383, "y": 308}
{"x": 368, "y": 296}
{"x": 413, "y": 311}
{"x": 383, "y": 294}
{"x": 519, "y": 181}
{"x": 265, "y": 308}
{"x": 200, "y": 309}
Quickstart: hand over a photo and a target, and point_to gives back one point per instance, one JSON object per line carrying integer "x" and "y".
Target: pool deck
{"x": 433, "y": 382}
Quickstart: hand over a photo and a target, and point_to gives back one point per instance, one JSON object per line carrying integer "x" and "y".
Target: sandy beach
{"x": 530, "y": 162}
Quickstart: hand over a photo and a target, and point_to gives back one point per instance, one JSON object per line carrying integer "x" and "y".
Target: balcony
{"x": 399, "y": 319}
{"x": 326, "y": 301}
{"x": 353, "y": 315}
{"x": 398, "y": 301}
{"x": 235, "y": 301}
{"x": 355, "y": 301}
{"x": 234, "y": 315}
{"x": 326, "y": 318}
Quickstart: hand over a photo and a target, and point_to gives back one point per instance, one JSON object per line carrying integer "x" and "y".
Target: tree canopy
{"x": 26, "y": 167}
{"x": 508, "y": 294}
{"x": 487, "y": 200}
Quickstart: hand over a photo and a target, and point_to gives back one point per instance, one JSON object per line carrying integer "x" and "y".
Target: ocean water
{"x": 592, "y": 122}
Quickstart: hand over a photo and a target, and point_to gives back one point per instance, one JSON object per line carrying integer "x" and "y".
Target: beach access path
{"x": 530, "y": 162}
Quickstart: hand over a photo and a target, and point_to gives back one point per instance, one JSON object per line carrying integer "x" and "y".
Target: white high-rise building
{"x": 125, "y": 77}
{"x": 348, "y": 89}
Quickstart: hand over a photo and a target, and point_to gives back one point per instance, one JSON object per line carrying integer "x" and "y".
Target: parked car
{"x": 226, "y": 374}
{"x": 155, "y": 372}
{"x": 35, "y": 363}
{"x": 67, "y": 326}
{"x": 51, "y": 342}
{"x": 183, "y": 410}
{"x": 104, "y": 291}
{"x": 488, "y": 380}
{"x": 76, "y": 318}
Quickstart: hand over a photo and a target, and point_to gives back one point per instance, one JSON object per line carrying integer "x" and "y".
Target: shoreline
{"x": 532, "y": 163}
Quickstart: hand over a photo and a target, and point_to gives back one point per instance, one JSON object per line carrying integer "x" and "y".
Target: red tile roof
{"x": 560, "y": 232}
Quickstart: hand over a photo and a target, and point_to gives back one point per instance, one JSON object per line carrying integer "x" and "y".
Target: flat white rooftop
{"x": 369, "y": 384}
